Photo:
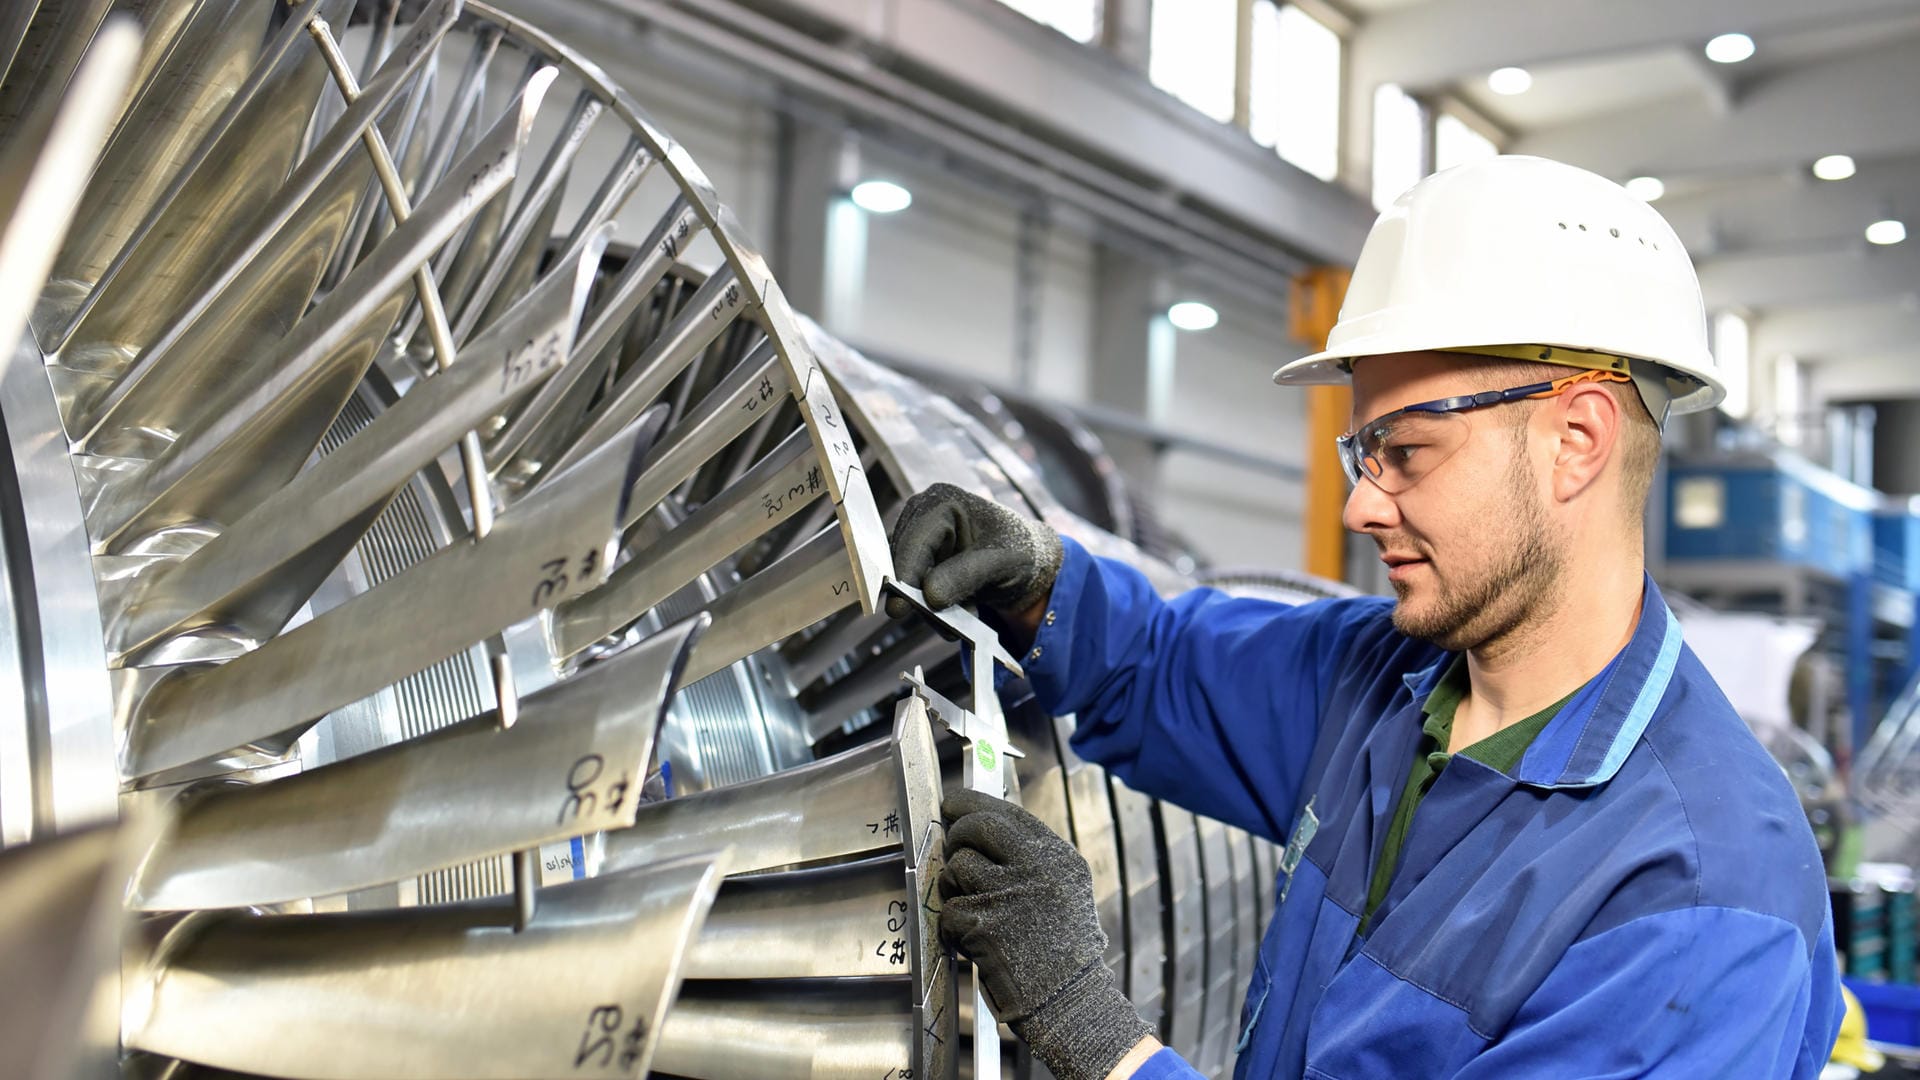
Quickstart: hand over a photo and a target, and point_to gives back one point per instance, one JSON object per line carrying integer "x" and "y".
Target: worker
{"x": 1525, "y": 833}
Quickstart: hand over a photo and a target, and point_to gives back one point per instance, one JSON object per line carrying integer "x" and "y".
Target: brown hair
{"x": 1639, "y": 445}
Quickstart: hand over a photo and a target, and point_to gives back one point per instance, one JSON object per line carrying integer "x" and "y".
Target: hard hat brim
{"x": 1332, "y": 367}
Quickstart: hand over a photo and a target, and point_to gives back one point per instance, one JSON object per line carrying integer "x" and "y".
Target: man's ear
{"x": 1587, "y": 427}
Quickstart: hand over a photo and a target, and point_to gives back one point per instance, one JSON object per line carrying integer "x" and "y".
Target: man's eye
{"x": 1400, "y": 454}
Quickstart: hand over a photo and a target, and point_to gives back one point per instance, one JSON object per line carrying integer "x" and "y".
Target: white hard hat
{"x": 1523, "y": 251}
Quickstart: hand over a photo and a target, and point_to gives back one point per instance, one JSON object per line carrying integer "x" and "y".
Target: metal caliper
{"x": 986, "y": 753}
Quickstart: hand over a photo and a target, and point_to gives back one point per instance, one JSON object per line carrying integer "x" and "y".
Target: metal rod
{"x": 472, "y": 457}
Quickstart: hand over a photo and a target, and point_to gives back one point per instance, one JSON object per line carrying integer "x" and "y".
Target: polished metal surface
{"x": 811, "y": 1031}
{"x": 554, "y": 545}
{"x": 256, "y": 429}
{"x": 572, "y": 764}
{"x": 240, "y": 579}
{"x": 796, "y": 591}
{"x": 832, "y": 809}
{"x": 1248, "y": 924}
{"x": 776, "y": 488}
{"x": 45, "y": 163}
{"x": 843, "y": 921}
{"x": 1140, "y": 876}
{"x": 341, "y": 362}
{"x": 449, "y": 992}
{"x": 706, "y": 316}
{"x": 1217, "y": 1019}
{"x": 1091, "y": 809}
{"x": 60, "y": 928}
{"x": 1187, "y": 931}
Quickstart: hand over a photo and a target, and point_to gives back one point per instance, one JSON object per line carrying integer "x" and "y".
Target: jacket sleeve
{"x": 1701, "y": 991}
{"x": 1208, "y": 701}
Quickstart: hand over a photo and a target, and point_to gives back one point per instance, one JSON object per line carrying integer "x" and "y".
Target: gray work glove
{"x": 1019, "y": 904}
{"x": 963, "y": 549}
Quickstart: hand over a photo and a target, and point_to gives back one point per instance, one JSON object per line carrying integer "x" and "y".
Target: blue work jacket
{"x": 1642, "y": 898}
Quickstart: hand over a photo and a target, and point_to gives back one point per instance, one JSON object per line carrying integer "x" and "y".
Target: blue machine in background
{"x": 1768, "y": 531}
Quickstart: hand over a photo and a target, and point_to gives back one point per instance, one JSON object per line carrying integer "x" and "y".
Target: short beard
{"x": 1505, "y": 596}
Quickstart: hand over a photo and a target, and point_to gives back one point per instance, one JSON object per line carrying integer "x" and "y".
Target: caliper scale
{"x": 986, "y": 749}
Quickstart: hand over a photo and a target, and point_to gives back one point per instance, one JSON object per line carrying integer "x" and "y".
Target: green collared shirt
{"x": 1500, "y": 751}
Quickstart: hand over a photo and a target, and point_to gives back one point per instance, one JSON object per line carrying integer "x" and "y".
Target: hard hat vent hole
{"x": 1583, "y": 228}
{"x": 1615, "y": 233}
{"x": 1563, "y": 224}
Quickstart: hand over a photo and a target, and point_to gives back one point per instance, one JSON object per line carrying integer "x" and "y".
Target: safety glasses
{"x": 1397, "y": 450}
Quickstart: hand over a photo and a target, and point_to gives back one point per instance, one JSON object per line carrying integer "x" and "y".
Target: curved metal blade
{"x": 439, "y": 992}
{"x": 186, "y": 308}
{"x": 775, "y": 489}
{"x": 790, "y": 1031}
{"x": 571, "y": 765}
{"x": 1091, "y": 809}
{"x": 60, "y": 926}
{"x": 258, "y": 572}
{"x": 1186, "y": 931}
{"x": 1216, "y": 867}
{"x": 176, "y": 110}
{"x": 829, "y": 922}
{"x": 837, "y": 807}
{"x": 553, "y": 545}
{"x": 44, "y": 164}
{"x": 559, "y": 404}
{"x": 796, "y": 591}
{"x": 263, "y": 424}
{"x": 714, "y": 308}
{"x": 1141, "y": 876}
{"x": 1247, "y": 927}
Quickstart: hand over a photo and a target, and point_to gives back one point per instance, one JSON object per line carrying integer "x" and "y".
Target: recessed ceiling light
{"x": 1646, "y": 188}
{"x": 1833, "y": 167}
{"x": 1193, "y": 315}
{"x": 1729, "y": 48}
{"x": 881, "y": 196}
{"x": 1510, "y": 81}
{"x": 1889, "y": 231}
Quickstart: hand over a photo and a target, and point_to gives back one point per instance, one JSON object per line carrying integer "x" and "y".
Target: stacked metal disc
{"x": 465, "y": 605}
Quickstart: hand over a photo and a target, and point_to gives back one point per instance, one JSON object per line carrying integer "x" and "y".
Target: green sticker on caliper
{"x": 984, "y": 754}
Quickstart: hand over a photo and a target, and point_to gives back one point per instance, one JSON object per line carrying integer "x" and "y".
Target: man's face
{"x": 1470, "y": 549}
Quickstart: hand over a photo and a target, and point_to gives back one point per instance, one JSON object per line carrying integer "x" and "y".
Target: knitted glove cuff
{"x": 1048, "y": 554}
{"x": 1085, "y": 1028}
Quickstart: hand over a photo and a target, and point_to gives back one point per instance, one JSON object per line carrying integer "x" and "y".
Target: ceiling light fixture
{"x": 881, "y": 196}
{"x": 1888, "y": 231}
{"x": 1833, "y": 167}
{"x": 1646, "y": 188}
{"x": 1510, "y": 81}
{"x": 1729, "y": 48}
{"x": 1193, "y": 315}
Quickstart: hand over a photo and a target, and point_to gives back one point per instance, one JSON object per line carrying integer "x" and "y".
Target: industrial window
{"x": 1192, "y": 53}
{"x": 1457, "y": 143}
{"x": 1399, "y": 143}
{"x": 1730, "y": 348}
{"x": 1789, "y": 397}
{"x": 1293, "y": 92}
{"x": 1078, "y": 19}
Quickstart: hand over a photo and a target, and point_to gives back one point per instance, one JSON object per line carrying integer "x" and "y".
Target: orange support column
{"x": 1316, "y": 298}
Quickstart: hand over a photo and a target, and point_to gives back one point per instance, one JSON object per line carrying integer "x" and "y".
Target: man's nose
{"x": 1369, "y": 509}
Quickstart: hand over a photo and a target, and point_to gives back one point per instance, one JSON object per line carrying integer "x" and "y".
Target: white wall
{"x": 1223, "y": 391}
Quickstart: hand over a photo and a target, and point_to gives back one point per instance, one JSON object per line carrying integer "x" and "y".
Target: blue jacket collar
{"x": 1590, "y": 738}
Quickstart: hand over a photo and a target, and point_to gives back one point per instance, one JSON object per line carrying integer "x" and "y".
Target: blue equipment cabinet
{"x": 1770, "y": 531}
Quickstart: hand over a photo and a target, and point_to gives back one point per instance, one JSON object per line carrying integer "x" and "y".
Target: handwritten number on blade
{"x": 554, "y": 577}
{"x": 582, "y": 799}
{"x": 602, "y": 1022}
